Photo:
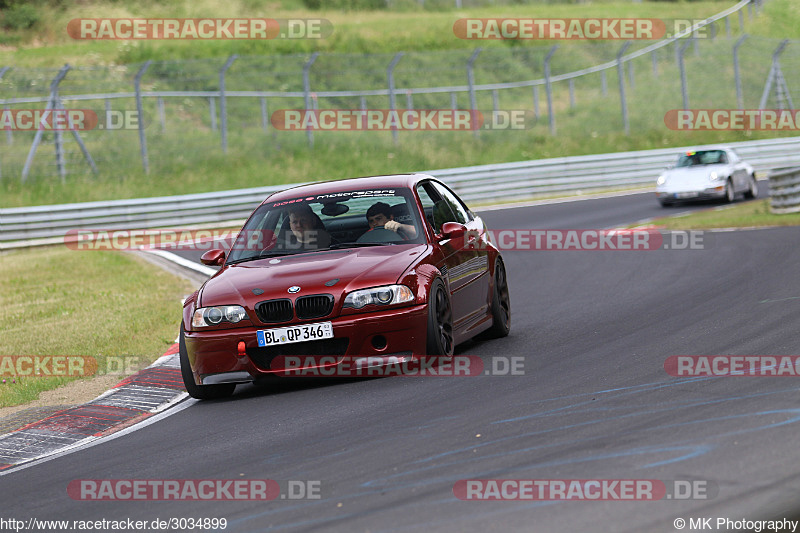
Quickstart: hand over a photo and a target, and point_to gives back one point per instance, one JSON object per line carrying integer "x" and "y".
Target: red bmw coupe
{"x": 392, "y": 267}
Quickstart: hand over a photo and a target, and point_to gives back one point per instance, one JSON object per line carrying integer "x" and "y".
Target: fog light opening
{"x": 379, "y": 342}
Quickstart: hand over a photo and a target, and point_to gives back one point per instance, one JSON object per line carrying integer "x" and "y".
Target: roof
{"x": 350, "y": 184}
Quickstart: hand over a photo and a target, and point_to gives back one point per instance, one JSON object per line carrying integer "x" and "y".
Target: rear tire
{"x": 201, "y": 392}
{"x": 752, "y": 192}
{"x": 665, "y": 203}
{"x": 440, "y": 321}
{"x": 501, "y": 303}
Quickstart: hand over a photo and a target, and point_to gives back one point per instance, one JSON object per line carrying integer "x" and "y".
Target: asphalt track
{"x": 594, "y": 329}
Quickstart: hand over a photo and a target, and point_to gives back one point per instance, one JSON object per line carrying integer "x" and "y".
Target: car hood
{"x": 692, "y": 175}
{"x": 354, "y": 268}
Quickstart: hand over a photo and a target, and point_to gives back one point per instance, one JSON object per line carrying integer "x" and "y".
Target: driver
{"x": 380, "y": 214}
{"x": 307, "y": 230}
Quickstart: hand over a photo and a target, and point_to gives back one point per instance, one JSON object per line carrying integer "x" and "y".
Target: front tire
{"x": 501, "y": 303}
{"x": 730, "y": 193}
{"x": 201, "y": 392}
{"x": 440, "y": 321}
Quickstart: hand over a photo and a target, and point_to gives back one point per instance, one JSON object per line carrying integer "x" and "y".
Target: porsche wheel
{"x": 730, "y": 193}
{"x": 440, "y": 321}
{"x": 752, "y": 192}
{"x": 501, "y": 302}
{"x": 201, "y": 392}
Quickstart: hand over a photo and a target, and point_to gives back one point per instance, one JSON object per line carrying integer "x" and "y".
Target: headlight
{"x": 387, "y": 295}
{"x": 713, "y": 176}
{"x": 211, "y": 316}
{"x": 662, "y": 179}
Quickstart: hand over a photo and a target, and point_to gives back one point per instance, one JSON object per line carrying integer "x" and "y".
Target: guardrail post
{"x": 621, "y": 78}
{"x": 684, "y": 87}
{"x": 473, "y": 103}
{"x": 307, "y": 94}
{"x": 51, "y": 104}
{"x": 409, "y": 99}
{"x": 549, "y": 89}
{"x": 776, "y": 76}
{"x": 736, "y": 74}
{"x": 784, "y": 191}
{"x": 223, "y": 108}
{"x": 390, "y": 79}
{"x": 137, "y": 84}
{"x": 603, "y": 83}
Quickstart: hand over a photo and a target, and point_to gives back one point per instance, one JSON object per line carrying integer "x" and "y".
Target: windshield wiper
{"x": 262, "y": 255}
{"x": 339, "y": 246}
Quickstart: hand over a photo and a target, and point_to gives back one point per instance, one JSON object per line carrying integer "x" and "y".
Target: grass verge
{"x": 750, "y": 214}
{"x": 107, "y": 305}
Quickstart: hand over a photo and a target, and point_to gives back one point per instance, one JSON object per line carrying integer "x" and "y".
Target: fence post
{"x": 140, "y": 113}
{"x": 390, "y": 79}
{"x": 223, "y": 108}
{"x": 776, "y": 75}
{"x": 736, "y": 74}
{"x": 536, "y": 101}
{"x": 51, "y": 104}
{"x": 728, "y": 26}
{"x": 682, "y": 68}
{"x": 307, "y": 94}
{"x": 9, "y": 139}
{"x": 212, "y": 111}
{"x": 161, "y": 116}
{"x": 264, "y": 114}
{"x": 473, "y": 102}
{"x": 549, "y": 89}
{"x": 603, "y": 83}
{"x": 655, "y": 63}
{"x": 631, "y": 81}
{"x": 571, "y": 93}
{"x": 621, "y": 79}
{"x": 741, "y": 20}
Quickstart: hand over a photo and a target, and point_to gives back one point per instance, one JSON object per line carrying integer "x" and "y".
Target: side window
{"x": 437, "y": 209}
{"x": 456, "y": 207}
{"x": 734, "y": 157}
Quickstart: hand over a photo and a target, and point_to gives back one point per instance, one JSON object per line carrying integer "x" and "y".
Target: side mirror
{"x": 214, "y": 257}
{"x": 453, "y": 230}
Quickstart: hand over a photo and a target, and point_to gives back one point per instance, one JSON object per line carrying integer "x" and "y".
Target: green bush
{"x": 20, "y": 17}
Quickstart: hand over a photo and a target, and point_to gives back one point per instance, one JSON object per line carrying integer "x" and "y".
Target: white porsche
{"x": 704, "y": 174}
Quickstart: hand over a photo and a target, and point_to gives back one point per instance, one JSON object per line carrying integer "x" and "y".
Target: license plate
{"x": 291, "y": 334}
{"x": 685, "y": 195}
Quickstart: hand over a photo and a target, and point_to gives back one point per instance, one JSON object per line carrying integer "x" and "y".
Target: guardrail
{"x": 492, "y": 183}
{"x": 784, "y": 191}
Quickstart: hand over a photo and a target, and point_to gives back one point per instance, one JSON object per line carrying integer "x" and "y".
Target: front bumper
{"x": 215, "y": 358}
{"x": 708, "y": 193}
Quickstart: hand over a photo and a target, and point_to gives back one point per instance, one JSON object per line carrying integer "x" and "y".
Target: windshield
{"x": 702, "y": 157}
{"x": 378, "y": 217}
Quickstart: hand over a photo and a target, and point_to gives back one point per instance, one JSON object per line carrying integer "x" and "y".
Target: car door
{"x": 466, "y": 267}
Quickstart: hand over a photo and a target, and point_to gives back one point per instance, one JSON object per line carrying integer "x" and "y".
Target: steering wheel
{"x": 379, "y": 234}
